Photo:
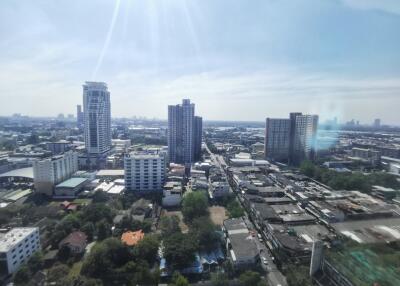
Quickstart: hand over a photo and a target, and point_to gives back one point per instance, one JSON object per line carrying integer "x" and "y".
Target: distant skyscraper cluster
{"x": 291, "y": 140}
{"x": 184, "y": 133}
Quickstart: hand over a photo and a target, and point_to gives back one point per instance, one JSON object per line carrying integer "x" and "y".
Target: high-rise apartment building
{"x": 79, "y": 116}
{"x": 277, "y": 134}
{"x": 291, "y": 140}
{"x": 145, "y": 171}
{"x": 180, "y": 132}
{"x": 197, "y": 137}
{"x": 304, "y": 140}
{"x": 17, "y": 246}
{"x": 97, "y": 117}
{"x": 51, "y": 171}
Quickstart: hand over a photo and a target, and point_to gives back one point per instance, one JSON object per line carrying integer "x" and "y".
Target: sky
{"x": 236, "y": 60}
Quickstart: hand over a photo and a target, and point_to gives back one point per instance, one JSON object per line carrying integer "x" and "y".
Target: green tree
{"x": 22, "y": 276}
{"x": 89, "y": 229}
{"x": 219, "y": 279}
{"x": 96, "y": 212}
{"x": 205, "y": 233}
{"x": 64, "y": 253}
{"x": 298, "y": 276}
{"x": 35, "y": 263}
{"x": 100, "y": 197}
{"x": 195, "y": 204}
{"x": 179, "y": 250}
{"x": 179, "y": 280}
{"x": 103, "y": 229}
{"x": 105, "y": 256}
{"x": 234, "y": 209}
{"x": 147, "y": 248}
{"x": 307, "y": 168}
{"x": 169, "y": 225}
{"x": 57, "y": 272}
{"x": 249, "y": 278}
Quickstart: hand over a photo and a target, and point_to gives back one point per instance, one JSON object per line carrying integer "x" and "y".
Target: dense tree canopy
{"x": 179, "y": 280}
{"x": 298, "y": 276}
{"x": 195, "y": 204}
{"x": 219, "y": 279}
{"x": 22, "y": 276}
{"x": 169, "y": 225}
{"x": 234, "y": 209}
{"x": 147, "y": 248}
{"x": 57, "y": 272}
{"x": 117, "y": 264}
{"x": 250, "y": 278}
{"x": 204, "y": 231}
{"x": 348, "y": 181}
{"x": 179, "y": 250}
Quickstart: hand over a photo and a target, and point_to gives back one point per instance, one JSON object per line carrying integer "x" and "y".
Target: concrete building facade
{"x": 180, "y": 132}
{"x": 291, "y": 140}
{"x": 197, "y": 137}
{"x": 97, "y": 117}
{"x": 51, "y": 171}
{"x": 145, "y": 171}
{"x": 17, "y": 246}
{"x": 277, "y": 132}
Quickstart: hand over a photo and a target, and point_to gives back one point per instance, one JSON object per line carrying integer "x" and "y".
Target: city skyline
{"x": 334, "y": 58}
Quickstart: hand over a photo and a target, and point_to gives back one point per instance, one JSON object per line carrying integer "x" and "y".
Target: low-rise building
{"x": 172, "y": 194}
{"x": 218, "y": 190}
{"x": 369, "y": 156}
{"x": 75, "y": 241}
{"x": 69, "y": 188}
{"x": 240, "y": 244}
{"x": 17, "y": 246}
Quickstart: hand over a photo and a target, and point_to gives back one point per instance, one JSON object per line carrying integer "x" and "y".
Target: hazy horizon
{"x": 237, "y": 61}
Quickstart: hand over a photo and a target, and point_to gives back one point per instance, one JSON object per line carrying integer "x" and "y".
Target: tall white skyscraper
{"x": 180, "y": 132}
{"x": 97, "y": 117}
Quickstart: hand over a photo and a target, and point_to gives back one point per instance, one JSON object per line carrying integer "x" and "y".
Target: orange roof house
{"x": 131, "y": 238}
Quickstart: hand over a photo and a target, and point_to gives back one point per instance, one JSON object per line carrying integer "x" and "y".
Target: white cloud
{"x": 390, "y": 6}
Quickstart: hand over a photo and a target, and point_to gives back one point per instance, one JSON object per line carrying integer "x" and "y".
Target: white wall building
{"x": 51, "y": 171}
{"x": 17, "y": 246}
{"x": 145, "y": 171}
{"x": 97, "y": 117}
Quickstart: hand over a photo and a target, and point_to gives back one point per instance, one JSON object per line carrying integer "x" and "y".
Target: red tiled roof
{"x": 77, "y": 238}
{"x": 131, "y": 238}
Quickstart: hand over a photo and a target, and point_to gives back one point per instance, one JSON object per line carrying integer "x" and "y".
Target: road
{"x": 274, "y": 276}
